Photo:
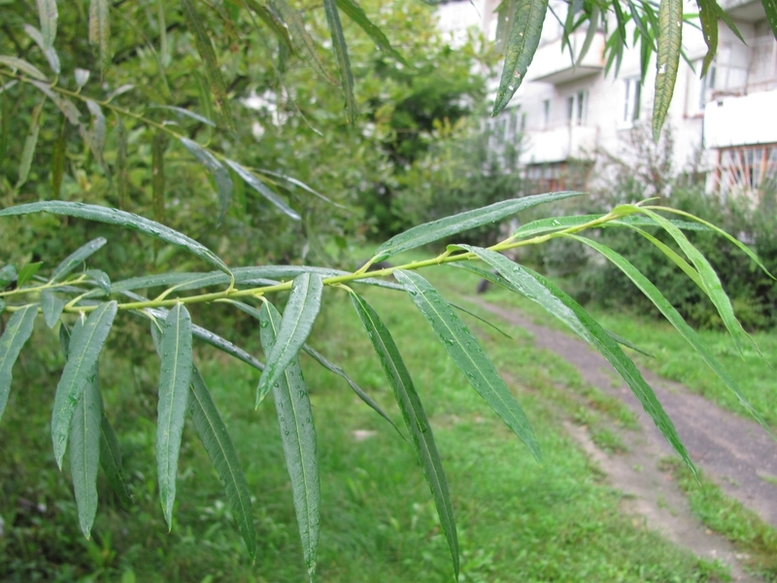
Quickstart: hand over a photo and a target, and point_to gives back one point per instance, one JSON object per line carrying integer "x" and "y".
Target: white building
{"x": 566, "y": 113}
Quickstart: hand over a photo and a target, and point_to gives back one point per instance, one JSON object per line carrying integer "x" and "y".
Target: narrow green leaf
{"x": 415, "y": 418}
{"x": 355, "y": 12}
{"x": 122, "y": 182}
{"x": 95, "y": 137}
{"x": 185, "y": 112}
{"x": 175, "y": 352}
{"x": 298, "y": 437}
{"x": 16, "y": 334}
{"x": 593, "y": 28}
{"x": 58, "y": 159}
{"x": 770, "y": 7}
{"x": 674, "y": 317}
{"x": 674, "y": 257}
{"x": 523, "y": 42}
{"x": 51, "y": 306}
{"x": 27, "y": 272}
{"x": 220, "y": 175}
{"x": 63, "y": 104}
{"x": 439, "y": 229}
{"x": 262, "y": 189}
{"x": 195, "y": 24}
{"x": 298, "y": 318}
{"x": 293, "y": 181}
{"x": 121, "y": 218}
{"x": 709, "y": 279}
{"x": 100, "y": 278}
{"x": 8, "y": 275}
{"x": 85, "y": 452}
{"x": 468, "y": 356}
{"x": 48, "y": 50}
{"x": 480, "y": 319}
{"x": 110, "y": 461}
{"x": 709, "y": 28}
{"x": 2, "y": 305}
{"x": 341, "y": 56}
{"x": 158, "y": 175}
{"x": 214, "y": 436}
{"x": 85, "y": 347}
{"x": 670, "y": 38}
{"x": 505, "y": 16}
{"x": 273, "y": 22}
{"x": 77, "y": 258}
{"x": 100, "y": 29}
{"x": 47, "y": 14}
{"x": 303, "y": 42}
{"x": 17, "y": 64}
{"x": 533, "y": 286}
{"x": 29, "y": 145}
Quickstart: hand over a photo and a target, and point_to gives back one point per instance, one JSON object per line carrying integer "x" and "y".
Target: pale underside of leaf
{"x": 175, "y": 350}
{"x": 298, "y": 318}
{"x": 85, "y": 347}
{"x": 414, "y": 416}
{"x": 466, "y": 353}
{"x": 298, "y": 437}
{"x": 670, "y": 35}
{"x": 18, "y": 64}
{"x": 17, "y": 332}
{"x": 214, "y": 436}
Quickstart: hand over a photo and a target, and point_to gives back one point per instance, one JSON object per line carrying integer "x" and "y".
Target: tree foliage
{"x": 140, "y": 109}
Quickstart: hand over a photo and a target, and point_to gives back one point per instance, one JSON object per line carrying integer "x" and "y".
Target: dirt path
{"x": 734, "y": 452}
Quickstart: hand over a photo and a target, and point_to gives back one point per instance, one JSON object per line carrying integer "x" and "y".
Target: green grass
{"x": 519, "y": 521}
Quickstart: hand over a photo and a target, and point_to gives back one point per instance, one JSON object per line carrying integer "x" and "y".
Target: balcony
{"x": 557, "y": 144}
{"x": 739, "y": 121}
{"x": 552, "y": 65}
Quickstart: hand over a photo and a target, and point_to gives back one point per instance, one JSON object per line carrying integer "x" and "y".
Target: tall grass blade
{"x": 214, "y": 436}
{"x": 298, "y": 318}
{"x": 85, "y": 452}
{"x": 522, "y": 43}
{"x": 441, "y": 228}
{"x": 110, "y": 461}
{"x": 298, "y": 437}
{"x": 124, "y": 219}
{"x": 468, "y": 356}
{"x": 341, "y": 55}
{"x": 194, "y": 22}
{"x": 16, "y": 334}
{"x": 670, "y": 38}
{"x": 415, "y": 418}
{"x": 674, "y": 317}
{"x": 262, "y": 189}
{"x": 533, "y": 286}
{"x": 220, "y": 175}
{"x": 84, "y": 350}
{"x": 77, "y": 257}
{"x": 30, "y": 143}
{"x": 175, "y": 352}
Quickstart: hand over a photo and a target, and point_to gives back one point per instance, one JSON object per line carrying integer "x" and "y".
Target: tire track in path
{"x": 734, "y": 452}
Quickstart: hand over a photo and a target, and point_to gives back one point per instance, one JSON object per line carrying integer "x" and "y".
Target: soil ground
{"x": 736, "y": 453}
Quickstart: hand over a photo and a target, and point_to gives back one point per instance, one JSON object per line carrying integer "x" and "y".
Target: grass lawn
{"x": 518, "y": 520}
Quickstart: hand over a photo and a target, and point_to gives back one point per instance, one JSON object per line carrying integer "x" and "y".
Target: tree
{"x": 136, "y": 169}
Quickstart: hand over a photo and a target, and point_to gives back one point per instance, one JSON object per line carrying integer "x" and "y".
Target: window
{"x": 631, "y": 101}
{"x": 545, "y": 114}
{"x": 576, "y": 108}
{"x": 746, "y": 169}
{"x": 707, "y": 85}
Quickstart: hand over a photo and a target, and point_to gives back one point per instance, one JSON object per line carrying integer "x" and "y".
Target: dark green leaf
{"x": 709, "y": 28}
{"x": 439, "y": 229}
{"x": 214, "y": 436}
{"x": 195, "y": 24}
{"x": 52, "y": 307}
{"x": 674, "y": 317}
{"x": 415, "y": 418}
{"x": 262, "y": 189}
{"x": 58, "y": 159}
{"x": 521, "y": 45}
{"x": 273, "y": 22}
{"x": 298, "y": 318}
{"x": 85, "y": 347}
{"x": 593, "y": 28}
{"x": 526, "y": 282}
{"x": 77, "y": 257}
{"x": 341, "y": 55}
{"x": 175, "y": 352}
{"x": 480, "y": 319}
{"x": 116, "y": 217}
{"x": 2, "y": 305}
{"x": 357, "y": 14}
{"x": 7, "y": 275}
{"x": 122, "y": 182}
{"x": 670, "y": 38}
{"x": 17, "y": 64}
{"x": 85, "y": 452}
{"x": 158, "y": 175}
{"x": 29, "y": 145}
{"x": 770, "y": 7}
{"x": 100, "y": 29}
{"x": 298, "y": 436}
{"x": 27, "y": 273}
{"x": 220, "y": 175}
{"x": 110, "y": 461}
{"x": 17, "y": 332}
{"x": 468, "y": 356}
